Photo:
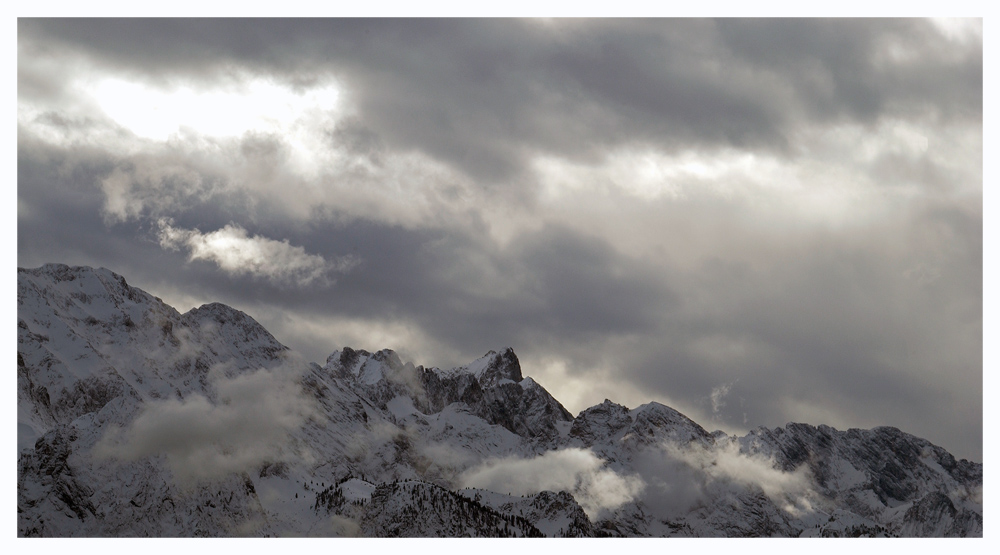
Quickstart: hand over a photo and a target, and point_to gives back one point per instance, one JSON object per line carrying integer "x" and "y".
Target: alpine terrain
{"x": 137, "y": 420}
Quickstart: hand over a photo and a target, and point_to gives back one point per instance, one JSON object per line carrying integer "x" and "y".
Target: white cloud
{"x": 252, "y": 104}
{"x": 239, "y": 254}
{"x": 730, "y": 202}
{"x": 724, "y": 466}
{"x": 718, "y": 396}
{"x": 250, "y": 137}
{"x": 577, "y": 471}
{"x": 965, "y": 31}
{"x": 247, "y": 424}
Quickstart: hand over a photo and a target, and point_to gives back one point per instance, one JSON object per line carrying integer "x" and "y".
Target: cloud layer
{"x": 237, "y": 253}
{"x": 577, "y": 471}
{"x": 643, "y": 209}
{"x": 245, "y": 425}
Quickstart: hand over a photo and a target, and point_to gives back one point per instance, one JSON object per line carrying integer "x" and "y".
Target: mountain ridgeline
{"x": 137, "y": 420}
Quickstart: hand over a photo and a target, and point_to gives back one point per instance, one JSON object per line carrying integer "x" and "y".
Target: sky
{"x": 755, "y": 222}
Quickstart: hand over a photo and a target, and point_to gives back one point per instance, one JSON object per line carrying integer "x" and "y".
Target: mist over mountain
{"x": 137, "y": 420}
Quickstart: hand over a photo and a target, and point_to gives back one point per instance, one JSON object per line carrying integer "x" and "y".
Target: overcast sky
{"x": 755, "y": 222}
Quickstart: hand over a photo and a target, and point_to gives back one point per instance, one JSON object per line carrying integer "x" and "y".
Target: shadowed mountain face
{"x": 137, "y": 420}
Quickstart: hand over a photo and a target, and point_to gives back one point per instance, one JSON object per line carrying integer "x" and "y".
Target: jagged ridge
{"x": 95, "y": 355}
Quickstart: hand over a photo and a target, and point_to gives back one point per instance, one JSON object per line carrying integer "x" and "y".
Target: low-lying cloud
{"x": 683, "y": 477}
{"x": 246, "y": 424}
{"x": 237, "y": 253}
{"x": 577, "y": 471}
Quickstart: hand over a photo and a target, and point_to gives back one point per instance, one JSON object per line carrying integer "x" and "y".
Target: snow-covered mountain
{"x": 136, "y": 420}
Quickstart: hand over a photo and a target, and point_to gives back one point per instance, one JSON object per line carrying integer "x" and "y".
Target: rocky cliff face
{"x": 873, "y": 473}
{"x": 136, "y": 420}
{"x": 492, "y": 387}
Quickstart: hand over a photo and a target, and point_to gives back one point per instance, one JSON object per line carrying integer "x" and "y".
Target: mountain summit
{"x": 137, "y": 420}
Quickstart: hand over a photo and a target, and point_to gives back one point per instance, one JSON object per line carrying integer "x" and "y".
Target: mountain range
{"x": 137, "y": 420}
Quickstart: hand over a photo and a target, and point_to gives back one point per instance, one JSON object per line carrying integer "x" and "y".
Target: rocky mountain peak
{"x": 600, "y": 422}
{"x": 80, "y": 291}
{"x": 367, "y": 368}
{"x": 654, "y": 422}
{"x": 389, "y": 358}
{"x": 496, "y": 366}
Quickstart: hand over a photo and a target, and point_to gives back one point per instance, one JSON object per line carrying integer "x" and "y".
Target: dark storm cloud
{"x": 556, "y": 281}
{"x": 850, "y": 325}
{"x": 54, "y": 186}
{"x": 800, "y": 313}
{"x": 461, "y": 287}
{"x": 483, "y": 95}
{"x": 552, "y": 282}
{"x": 846, "y": 68}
